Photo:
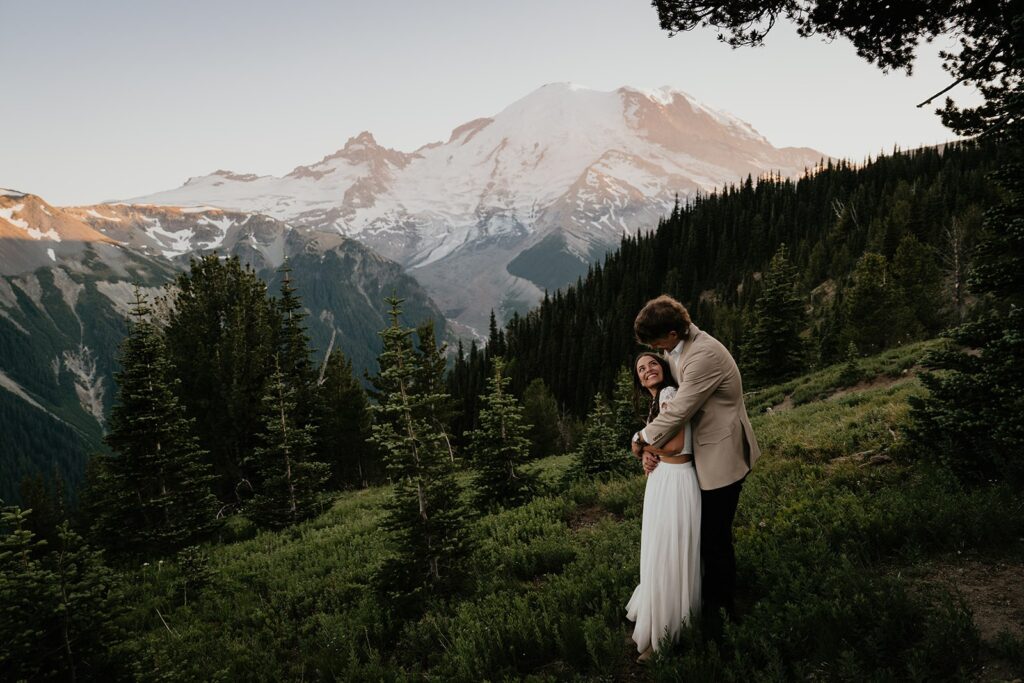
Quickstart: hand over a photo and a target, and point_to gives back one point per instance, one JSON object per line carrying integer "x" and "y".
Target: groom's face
{"x": 666, "y": 343}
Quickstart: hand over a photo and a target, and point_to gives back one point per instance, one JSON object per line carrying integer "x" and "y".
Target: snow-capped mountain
{"x": 515, "y": 203}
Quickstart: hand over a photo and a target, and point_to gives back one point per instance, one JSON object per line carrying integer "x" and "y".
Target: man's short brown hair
{"x": 660, "y": 316}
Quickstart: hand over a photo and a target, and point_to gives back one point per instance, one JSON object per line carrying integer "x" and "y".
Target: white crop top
{"x": 664, "y": 396}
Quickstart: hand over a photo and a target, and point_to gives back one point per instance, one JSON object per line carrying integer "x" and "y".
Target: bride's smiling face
{"x": 648, "y": 369}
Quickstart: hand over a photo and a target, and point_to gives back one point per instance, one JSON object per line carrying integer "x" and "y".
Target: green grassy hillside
{"x": 850, "y": 547}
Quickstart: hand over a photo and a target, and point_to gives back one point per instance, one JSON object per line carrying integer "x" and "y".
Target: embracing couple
{"x": 697, "y": 448}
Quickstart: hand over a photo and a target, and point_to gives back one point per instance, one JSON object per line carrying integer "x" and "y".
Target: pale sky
{"x": 110, "y": 99}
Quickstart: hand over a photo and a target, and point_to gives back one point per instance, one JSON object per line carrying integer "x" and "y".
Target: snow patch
{"x": 198, "y": 209}
{"x": 172, "y": 243}
{"x": 96, "y": 214}
{"x": 8, "y": 215}
{"x": 223, "y": 225}
{"x": 53, "y": 257}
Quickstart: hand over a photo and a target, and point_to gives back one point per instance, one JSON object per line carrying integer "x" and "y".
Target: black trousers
{"x": 718, "y": 589}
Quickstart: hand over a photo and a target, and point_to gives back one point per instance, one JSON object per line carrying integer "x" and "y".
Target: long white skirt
{"x": 669, "y": 587}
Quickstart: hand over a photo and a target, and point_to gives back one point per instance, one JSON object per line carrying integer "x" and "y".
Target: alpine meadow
{"x": 250, "y": 430}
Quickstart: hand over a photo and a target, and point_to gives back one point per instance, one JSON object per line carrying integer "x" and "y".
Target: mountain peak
{"x": 364, "y": 139}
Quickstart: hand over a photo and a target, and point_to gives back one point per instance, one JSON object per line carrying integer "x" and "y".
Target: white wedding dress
{"x": 670, "y": 571}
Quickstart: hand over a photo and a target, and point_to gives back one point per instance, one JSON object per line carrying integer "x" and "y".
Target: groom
{"x": 711, "y": 396}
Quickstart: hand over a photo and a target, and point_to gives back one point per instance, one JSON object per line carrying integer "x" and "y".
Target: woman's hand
{"x": 650, "y": 460}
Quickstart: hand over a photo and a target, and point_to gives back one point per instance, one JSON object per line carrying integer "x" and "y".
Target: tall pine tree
{"x": 293, "y": 349}
{"x": 540, "y": 410}
{"x": 289, "y": 480}
{"x": 601, "y": 451}
{"x": 424, "y": 515}
{"x": 222, "y": 333}
{"x": 973, "y": 417}
{"x": 344, "y": 433}
{"x": 154, "y": 492}
{"x": 500, "y": 446}
{"x": 774, "y": 349}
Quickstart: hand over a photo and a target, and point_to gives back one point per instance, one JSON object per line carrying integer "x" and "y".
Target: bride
{"x": 669, "y": 590}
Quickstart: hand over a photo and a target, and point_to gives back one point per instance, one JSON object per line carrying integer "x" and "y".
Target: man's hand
{"x": 637, "y": 448}
{"x": 650, "y": 462}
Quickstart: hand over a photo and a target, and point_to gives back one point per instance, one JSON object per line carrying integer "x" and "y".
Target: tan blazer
{"x": 711, "y": 397}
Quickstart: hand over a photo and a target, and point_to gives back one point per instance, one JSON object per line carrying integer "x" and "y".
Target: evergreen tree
{"x": 293, "y": 347}
{"x": 45, "y": 498}
{"x": 774, "y": 348}
{"x": 289, "y": 480}
{"x": 154, "y": 492}
{"x": 500, "y": 447}
{"x": 601, "y": 452}
{"x": 495, "y": 338}
{"x": 430, "y": 379}
{"x": 222, "y": 333}
{"x": 58, "y": 606}
{"x": 424, "y": 515}
{"x": 972, "y": 417}
{"x": 344, "y": 432}
{"x": 28, "y": 601}
{"x": 872, "y": 306}
{"x": 851, "y": 372}
{"x": 88, "y": 605}
{"x": 540, "y": 410}
{"x": 624, "y": 406}
{"x": 918, "y": 278}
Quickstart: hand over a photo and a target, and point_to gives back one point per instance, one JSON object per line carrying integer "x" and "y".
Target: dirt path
{"x": 994, "y": 590}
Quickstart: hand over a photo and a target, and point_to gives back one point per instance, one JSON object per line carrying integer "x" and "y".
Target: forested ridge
{"x": 711, "y": 254}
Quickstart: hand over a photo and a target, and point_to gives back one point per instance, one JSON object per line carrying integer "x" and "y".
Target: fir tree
{"x": 222, "y": 333}
{"x": 540, "y": 410}
{"x": 88, "y": 606}
{"x": 28, "y": 601}
{"x": 774, "y": 348}
{"x": 872, "y": 314}
{"x": 58, "y": 605}
{"x": 293, "y": 347}
{"x": 424, "y": 515}
{"x": 851, "y": 372}
{"x": 154, "y": 492}
{"x": 972, "y": 417}
{"x": 500, "y": 447}
{"x": 430, "y": 379}
{"x": 289, "y": 480}
{"x": 495, "y": 338}
{"x": 344, "y": 432}
{"x": 624, "y": 406}
{"x": 601, "y": 452}
{"x": 918, "y": 278}
{"x": 45, "y": 498}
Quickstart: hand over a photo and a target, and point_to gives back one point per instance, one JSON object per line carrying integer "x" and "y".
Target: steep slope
{"x": 64, "y": 289}
{"x": 68, "y": 275}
